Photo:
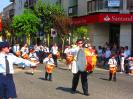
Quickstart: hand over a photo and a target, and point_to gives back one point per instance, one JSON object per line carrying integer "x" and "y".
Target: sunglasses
{"x": 80, "y": 43}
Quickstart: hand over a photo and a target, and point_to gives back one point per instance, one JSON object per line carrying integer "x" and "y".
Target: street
{"x": 34, "y": 87}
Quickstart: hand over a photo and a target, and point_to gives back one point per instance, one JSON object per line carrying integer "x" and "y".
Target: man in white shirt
{"x": 78, "y": 68}
{"x": 7, "y": 86}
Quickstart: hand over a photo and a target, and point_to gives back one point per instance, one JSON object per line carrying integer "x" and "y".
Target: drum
{"x": 18, "y": 53}
{"x": 49, "y": 68}
{"x": 34, "y": 61}
{"x": 113, "y": 70}
{"x": 69, "y": 59}
{"x": 25, "y": 56}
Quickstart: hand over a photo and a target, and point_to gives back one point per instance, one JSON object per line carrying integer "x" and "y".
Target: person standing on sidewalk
{"x": 7, "y": 86}
{"x": 78, "y": 68}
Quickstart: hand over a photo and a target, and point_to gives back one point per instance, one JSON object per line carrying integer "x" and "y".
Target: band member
{"x": 55, "y": 53}
{"x": 49, "y": 66}
{"x": 112, "y": 68}
{"x": 7, "y": 86}
{"x": 68, "y": 56}
{"x": 16, "y": 50}
{"x": 25, "y": 51}
{"x": 33, "y": 57}
{"x": 78, "y": 68}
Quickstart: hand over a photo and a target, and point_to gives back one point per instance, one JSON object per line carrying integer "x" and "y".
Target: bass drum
{"x": 90, "y": 61}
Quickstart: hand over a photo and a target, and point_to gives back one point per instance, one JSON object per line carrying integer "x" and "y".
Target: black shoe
{"x": 50, "y": 79}
{"x": 86, "y": 94}
{"x": 73, "y": 91}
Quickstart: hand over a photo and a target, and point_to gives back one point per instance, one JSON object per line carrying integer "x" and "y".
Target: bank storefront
{"x": 112, "y": 28}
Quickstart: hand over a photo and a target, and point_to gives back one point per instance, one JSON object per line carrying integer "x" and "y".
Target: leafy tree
{"x": 26, "y": 24}
{"x": 47, "y": 12}
{"x": 81, "y": 32}
{"x": 62, "y": 24}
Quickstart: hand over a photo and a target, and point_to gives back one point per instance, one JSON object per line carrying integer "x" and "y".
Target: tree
{"x": 81, "y": 32}
{"x": 62, "y": 24}
{"x": 26, "y": 24}
{"x": 47, "y": 12}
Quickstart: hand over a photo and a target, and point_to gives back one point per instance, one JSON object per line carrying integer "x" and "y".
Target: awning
{"x": 103, "y": 18}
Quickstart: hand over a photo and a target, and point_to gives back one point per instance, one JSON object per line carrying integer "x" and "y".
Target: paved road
{"x": 33, "y": 87}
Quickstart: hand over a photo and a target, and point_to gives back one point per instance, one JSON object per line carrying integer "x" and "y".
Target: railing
{"x": 102, "y": 6}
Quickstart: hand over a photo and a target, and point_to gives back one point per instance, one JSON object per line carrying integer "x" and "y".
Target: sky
{"x": 4, "y": 3}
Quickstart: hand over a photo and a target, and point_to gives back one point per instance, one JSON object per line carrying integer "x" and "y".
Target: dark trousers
{"x": 7, "y": 86}
{"x": 110, "y": 76}
{"x": 84, "y": 81}
{"x": 48, "y": 76}
{"x": 55, "y": 60}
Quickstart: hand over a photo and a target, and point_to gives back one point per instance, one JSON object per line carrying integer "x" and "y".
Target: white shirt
{"x": 67, "y": 51}
{"x": 46, "y": 49}
{"x": 74, "y": 52}
{"x": 33, "y": 56}
{"x": 49, "y": 61}
{"x": 54, "y": 50}
{"x": 112, "y": 62}
{"x": 12, "y": 59}
{"x": 16, "y": 48}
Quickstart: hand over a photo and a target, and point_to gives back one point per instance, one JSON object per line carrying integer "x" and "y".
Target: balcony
{"x": 73, "y": 11}
{"x": 97, "y": 6}
{"x": 11, "y": 13}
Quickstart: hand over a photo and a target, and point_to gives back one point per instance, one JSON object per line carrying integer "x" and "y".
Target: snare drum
{"x": 69, "y": 59}
{"x": 18, "y": 53}
{"x": 49, "y": 68}
{"x": 113, "y": 69}
{"x": 25, "y": 56}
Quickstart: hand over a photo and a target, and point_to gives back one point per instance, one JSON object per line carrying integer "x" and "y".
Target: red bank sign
{"x": 102, "y": 18}
{"x": 0, "y": 24}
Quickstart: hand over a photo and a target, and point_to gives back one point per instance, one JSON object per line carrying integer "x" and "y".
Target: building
{"x": 107, "y": 20}
{"x": 8, "y": 11}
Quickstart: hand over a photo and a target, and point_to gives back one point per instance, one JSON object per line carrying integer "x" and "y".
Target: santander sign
{"x": 118, "y": 18}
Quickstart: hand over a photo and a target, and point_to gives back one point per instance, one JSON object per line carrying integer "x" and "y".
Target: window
{"x": 130, "y": 4}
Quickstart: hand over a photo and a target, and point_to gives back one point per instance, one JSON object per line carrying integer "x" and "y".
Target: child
{"x": 130, "y": 59}
{"x": 112, "y": 68}
{"x": 33, "y": 58}
{"x": 49, "y": 61}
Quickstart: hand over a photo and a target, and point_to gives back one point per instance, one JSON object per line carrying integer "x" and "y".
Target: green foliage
{"x": 25, "y": 24}
{"x": 81, "y": 32}
{"x": 47, "y": 11}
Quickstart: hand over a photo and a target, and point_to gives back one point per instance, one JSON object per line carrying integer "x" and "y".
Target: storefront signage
{"x": 0, "y": 24}
{"x": 116, "y": 18}
{"x": 102, "y": 18}
{"x": 113, "y": 3}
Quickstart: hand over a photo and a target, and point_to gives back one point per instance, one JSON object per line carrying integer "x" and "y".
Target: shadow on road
{"x": 104, "y": 79}
{"x": 29, "y": 73}
{"x": 65, "y": 89}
